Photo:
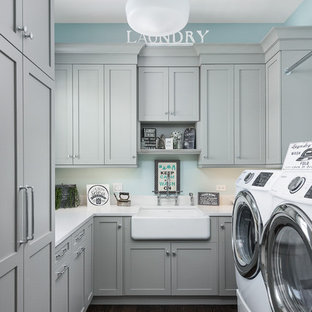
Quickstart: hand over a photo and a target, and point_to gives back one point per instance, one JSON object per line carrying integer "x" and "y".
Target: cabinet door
{"x": 183, "y": 94}
{"x": 76, "y": 281}
{"x": 88, "y": 113}
{"x": 249, "y": 114}
{"x": 10, "y": 19}
{"x": 147, "y": 268}
{"x": 38, "y": 173}
{"x": 296, "y": 95}
{"x": 194, "y": 269}
{"x": 153, "y": 94}
{"x": 273, "y": 151}
{"x": 40, "y": 49}
{"x": 62, "y": 290}
{"x": 120, "y": 115}
{"x": 107, "y": 256}
{"x": 88, "y": 271}
{"x": 63, "y": 115}
{"x": 11, "y": 168}
{"x": 227, "y": 281}
{"x": 217, "y": 114}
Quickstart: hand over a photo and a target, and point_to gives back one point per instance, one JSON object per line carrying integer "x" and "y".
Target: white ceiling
{"x": 202, "y": 11}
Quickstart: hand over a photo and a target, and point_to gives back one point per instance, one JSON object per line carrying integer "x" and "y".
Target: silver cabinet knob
{"x": 69, "y": 156}
{"x": 172, "y": 113}
{"x": 206, "y": 157}
{"x": 167, "y": 253}
{"x": 119, "y": 226}
{"x": 166, "y": 113}
{"x": 22, "y": 28}
{"x": 222, "y": 226}
{"x": 29, "y": 35}
{"x": 174, "y": 253}
{"x": 134, "y": 157}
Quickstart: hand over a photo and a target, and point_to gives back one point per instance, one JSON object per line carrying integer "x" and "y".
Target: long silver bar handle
{"x": 32, "y": 236}
{"x": 24, "y": 238}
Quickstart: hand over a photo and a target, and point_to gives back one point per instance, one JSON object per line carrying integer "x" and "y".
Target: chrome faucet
{"x": 191, "y": 199}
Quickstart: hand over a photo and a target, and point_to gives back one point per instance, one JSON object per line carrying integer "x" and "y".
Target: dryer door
{"x": 246, "y": 231}
{"x": 286, "y": 259}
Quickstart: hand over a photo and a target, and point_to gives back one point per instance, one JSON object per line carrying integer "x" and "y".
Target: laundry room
{"x": 156, "y": 156}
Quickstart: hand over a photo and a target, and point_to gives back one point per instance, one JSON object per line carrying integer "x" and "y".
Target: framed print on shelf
{"x": 98, "y": 195}
{"x": 167, "y": 173}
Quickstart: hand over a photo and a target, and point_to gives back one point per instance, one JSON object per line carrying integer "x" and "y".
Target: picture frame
{"x": 98, "y": 195}
{"x": 162, "y": 167}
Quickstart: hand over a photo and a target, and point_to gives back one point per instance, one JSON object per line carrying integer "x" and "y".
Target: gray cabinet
{"x": 249, "y": 103}
{"x": 194, "y": 268}
{"x": 120, "y": 115}
{"x": 37, "y": 42}
{"x": 168, "y": 94}
{"x": 232, "y": 127}
{"x": 108, "y": 256}
{"x": 273, "y": 153}
{"x": 88, "y": 265}
{"x": 62, "y": 289}
{"x": 217, "y": 114}
{"x": 11, "y": 168}
{"x": 227, "y": 281}
{"x": 79, "y": 117}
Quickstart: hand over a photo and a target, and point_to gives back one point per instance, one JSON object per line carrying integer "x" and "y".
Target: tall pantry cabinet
{"x": 26, "y": 112}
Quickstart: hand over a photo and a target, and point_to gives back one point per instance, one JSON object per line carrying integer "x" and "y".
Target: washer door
{"x": 286, "y": 259}
{"x": 246, "y": 231}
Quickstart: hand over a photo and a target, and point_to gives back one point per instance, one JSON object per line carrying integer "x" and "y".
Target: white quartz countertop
{"x": 68, "y": 220}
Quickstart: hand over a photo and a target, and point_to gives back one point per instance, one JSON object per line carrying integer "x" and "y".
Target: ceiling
{"x": 202, "y": 11}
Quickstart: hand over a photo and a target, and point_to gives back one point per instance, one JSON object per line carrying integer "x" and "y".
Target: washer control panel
{"x": 296, "y": 184}
{"x": 262, "y": 179}
{"x": 249, "y": 177}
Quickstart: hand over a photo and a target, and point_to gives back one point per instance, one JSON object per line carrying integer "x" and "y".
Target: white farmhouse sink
{"x": 170, "y": 222}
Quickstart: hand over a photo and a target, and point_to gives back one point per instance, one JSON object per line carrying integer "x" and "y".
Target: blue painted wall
{"x": 302, "y": 16}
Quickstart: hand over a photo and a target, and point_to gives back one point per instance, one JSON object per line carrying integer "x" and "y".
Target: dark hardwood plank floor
{"x": 162, "y": 308}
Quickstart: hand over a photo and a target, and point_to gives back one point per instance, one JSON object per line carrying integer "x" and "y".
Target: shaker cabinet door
{"x": 120, "y": 115}
{"x": 183, "y": 94}
{"x": 249, "y": 114}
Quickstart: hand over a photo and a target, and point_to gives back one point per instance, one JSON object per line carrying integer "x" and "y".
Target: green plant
{"x": 58, "y": 197}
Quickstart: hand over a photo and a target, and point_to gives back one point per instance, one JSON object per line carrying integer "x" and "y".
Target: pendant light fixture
{"x": 157, "y": 17}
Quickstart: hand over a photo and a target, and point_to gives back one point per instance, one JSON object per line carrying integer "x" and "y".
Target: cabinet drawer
{"x": 79, "y": 238}
{"x": 62, "y": 253}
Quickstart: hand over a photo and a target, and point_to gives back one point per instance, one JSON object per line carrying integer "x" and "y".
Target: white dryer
{"x": 286, "y": 245}
{"x": 252, "y": 209}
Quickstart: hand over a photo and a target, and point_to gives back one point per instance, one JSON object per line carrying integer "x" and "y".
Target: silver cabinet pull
{"x": 31, "y": 237}
{"x": 133, "y": 157}
{"x": 119, "y": 226}
{"x": 206, "y": 157}
{"x": 167, "y": 253}
{"x": 80, "y": 236}
{"x": 77, "y": 156}
{"x": 69, "y": 156}
{"x": 78, "y": 253}
{"x": 22, "y": 28}
{"x": 24, "y": 238}
{"x": 28, "y": 35}
{"x": 172, "y": 113}
{"x": 60, "y": 256}
{"x": 166, "y": 113}
{"x": 174, "y": 253}
{"x": 222, "y": 226}
{"x": 59, "y": 274}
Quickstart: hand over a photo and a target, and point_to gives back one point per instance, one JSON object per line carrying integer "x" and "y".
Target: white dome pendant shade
{"x": 157, "y": 17}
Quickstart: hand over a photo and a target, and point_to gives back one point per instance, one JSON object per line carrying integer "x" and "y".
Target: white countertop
{"x": 68, "y": 220}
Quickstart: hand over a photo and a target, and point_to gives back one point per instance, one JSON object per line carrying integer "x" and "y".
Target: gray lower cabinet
{"x": 194, "y": 268}
{"x": 62, "y": 289}
{"x": 108, "y": 253}
{"x": 227, "y": 282}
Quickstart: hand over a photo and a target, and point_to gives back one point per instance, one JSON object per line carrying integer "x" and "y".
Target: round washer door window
{"x": 246, "y": 234}
{"x": 288, "y": 262}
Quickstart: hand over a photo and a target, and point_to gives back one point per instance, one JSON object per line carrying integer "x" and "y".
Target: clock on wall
{"x": 98, "y": 195}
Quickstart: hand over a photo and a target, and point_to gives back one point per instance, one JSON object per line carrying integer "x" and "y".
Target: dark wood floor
{"x": 163, "y": 308}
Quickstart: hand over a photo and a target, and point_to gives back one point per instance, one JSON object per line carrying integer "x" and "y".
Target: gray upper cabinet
{"x": 217, "y": 114}
{"x": 11, "y": 168}
{"x": 108, "y": 256}
{"x": 273, "y": 111}
{"x": 30, "y": 32}
{"x": 194, "y": 268}
{"x": 227, "y": 281}
{"x": 168, "y": 94}
{"x": 79, "y": 120}
{"x": 183, "y": 94}
{"x": 153, "y": 94}
{"x": 120, "y": 114}
{"x": 249, "y": 114}
{"x": 63, "y": 114}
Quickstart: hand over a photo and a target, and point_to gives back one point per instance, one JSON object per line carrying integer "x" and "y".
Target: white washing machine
{"x": 252, "y": 209}
{"x": 286, "y": 245}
